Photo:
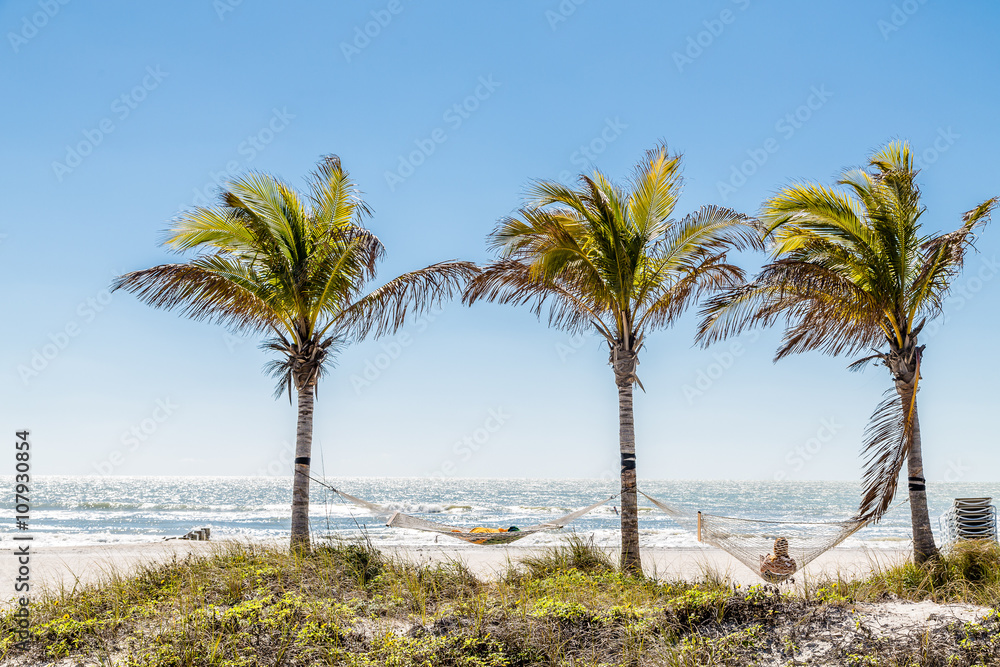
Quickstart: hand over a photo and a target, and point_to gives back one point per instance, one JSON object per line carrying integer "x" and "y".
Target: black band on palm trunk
{"x": 628, "y": 461}
{"x": 302, "y": 460}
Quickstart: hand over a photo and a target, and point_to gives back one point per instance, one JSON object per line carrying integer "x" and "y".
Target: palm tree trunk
{"x": 629, "y": 500}
{"x": 923, "y": 537}
{"x": 624, "y": 363}
{"x": 300, "y": 483}
{"x": 904, "y": 364}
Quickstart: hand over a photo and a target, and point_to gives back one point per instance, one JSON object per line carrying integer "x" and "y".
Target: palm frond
{"x": 610, "y": 257}
{"x": 316, "y": 359}
{"x": 886, "y": 444}
{"x": 511, "y": 282}
{"x": 385, "y": 309}
{"x": 211, "y": 289}
{"x": 655, "y": 189}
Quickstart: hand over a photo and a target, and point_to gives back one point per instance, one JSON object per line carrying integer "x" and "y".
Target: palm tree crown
{"x": 612, "y": 259}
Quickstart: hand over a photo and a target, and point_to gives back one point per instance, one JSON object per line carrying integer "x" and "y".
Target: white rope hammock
{"x": 775, "y": 550}
{"x": 480, "y": 535}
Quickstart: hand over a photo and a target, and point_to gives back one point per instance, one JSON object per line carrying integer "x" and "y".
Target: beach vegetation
{"x": 246, "y": 604}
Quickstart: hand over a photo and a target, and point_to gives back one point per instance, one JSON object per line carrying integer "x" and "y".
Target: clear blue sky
{"x": 118, "y": 115}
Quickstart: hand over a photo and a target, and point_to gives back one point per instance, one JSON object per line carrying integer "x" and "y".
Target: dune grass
{"x": 969, "y": 572}
{"x": 349, "y": 604}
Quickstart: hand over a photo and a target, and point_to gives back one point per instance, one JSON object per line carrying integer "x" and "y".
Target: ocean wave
{"x": 99, "y": 510}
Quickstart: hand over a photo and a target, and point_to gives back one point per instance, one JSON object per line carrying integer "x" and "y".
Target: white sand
{"x": 53, "y": 568}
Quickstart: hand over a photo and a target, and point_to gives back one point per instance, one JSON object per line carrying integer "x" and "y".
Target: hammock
{"x": 400, "y": 520}
{"x": 750, "y": 541}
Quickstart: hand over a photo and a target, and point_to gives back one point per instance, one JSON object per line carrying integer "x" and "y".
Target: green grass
{"x": 969, "y": 573}
{"x": 348, "y": 604}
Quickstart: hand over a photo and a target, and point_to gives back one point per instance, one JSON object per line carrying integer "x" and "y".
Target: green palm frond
{"x": 611, "y": 258}
{"x": 295, "y": 267}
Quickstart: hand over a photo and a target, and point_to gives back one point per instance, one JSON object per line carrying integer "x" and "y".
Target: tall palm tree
{"x": 294, "y": 267}
{"x": 612, "y": 260}
{"x": 852, "y": 270}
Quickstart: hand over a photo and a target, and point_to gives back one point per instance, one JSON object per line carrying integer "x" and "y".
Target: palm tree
{"x": 612, "y": 260}
{"x": 851, "y": 271}
{"x": 294, "y": 267}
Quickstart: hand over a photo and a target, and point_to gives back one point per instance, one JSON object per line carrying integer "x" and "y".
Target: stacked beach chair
{"x": 970, "y": 519}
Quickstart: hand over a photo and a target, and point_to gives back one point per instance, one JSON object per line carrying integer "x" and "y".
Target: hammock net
{"x": 480, "y": 536}
{"x": 400, "y": 520}
{"x": 751, "y": 540}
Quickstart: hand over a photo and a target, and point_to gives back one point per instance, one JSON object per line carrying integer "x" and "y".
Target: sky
{"x": 121, "y": 115}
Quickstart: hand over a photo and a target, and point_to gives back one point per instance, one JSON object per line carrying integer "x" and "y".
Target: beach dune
{"x": 65, "y": 567}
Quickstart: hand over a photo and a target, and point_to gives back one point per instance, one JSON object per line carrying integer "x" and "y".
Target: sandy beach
{"x": 55, "y": 568}
{"x": 821, "y": 633}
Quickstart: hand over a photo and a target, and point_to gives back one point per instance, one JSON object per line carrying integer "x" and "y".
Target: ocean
{"x": 102, "y": 510}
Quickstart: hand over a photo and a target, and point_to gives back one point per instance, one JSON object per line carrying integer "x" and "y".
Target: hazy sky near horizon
{"x": 120, "y": 115}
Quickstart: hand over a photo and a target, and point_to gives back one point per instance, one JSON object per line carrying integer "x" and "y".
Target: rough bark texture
{"x": 624, "y": 363}
{"x": 904, "y": 363}
{"x": 300, "y": 483}
{"x": 923, "y": 537}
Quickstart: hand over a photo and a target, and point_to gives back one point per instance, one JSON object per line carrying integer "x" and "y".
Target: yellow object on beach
{"x": 481, "y": 529}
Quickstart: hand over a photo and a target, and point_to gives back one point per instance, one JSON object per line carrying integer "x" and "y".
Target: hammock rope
{"x": 398, "y": 519}
{"x": 752, "y": 541}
